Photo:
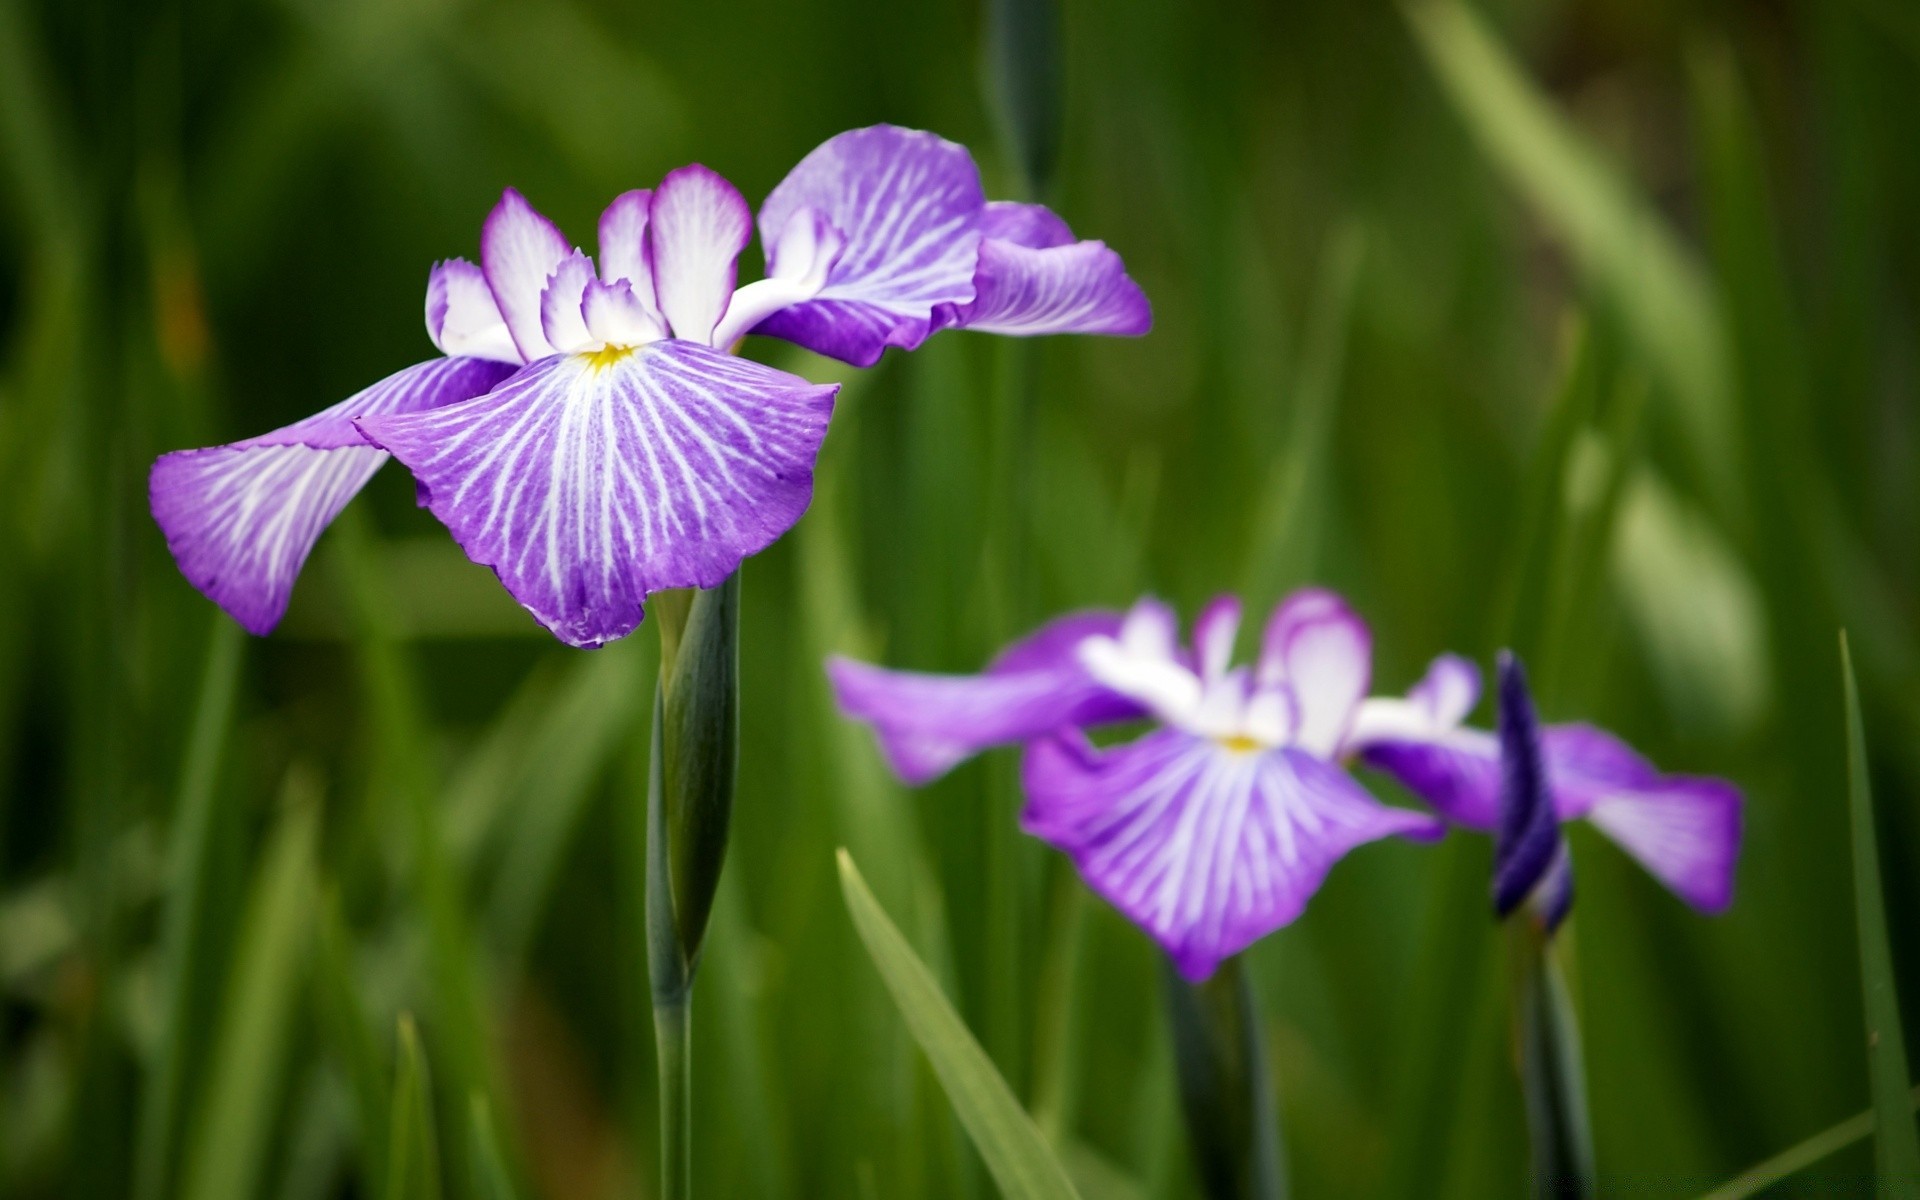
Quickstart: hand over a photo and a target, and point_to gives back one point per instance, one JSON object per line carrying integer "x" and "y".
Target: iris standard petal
{"x": 926, "y": 724}
{"x": 462, "y": 317}
{"x": 699, "y": 224}
{"x": 589, "y": 480}
{"x": 561, "y": 304}
{"x": 623, "y": 249}
{"x": 909, "y": 206}
{"x": 1323, "y": 652}
{"x": 240, "y": 519}
{"x": 519, "y": 250}
{"x": 1206, "y": 848}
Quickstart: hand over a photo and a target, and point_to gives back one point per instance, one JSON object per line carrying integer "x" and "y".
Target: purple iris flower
{"x": 1213, "y": 829}
{"x": 587, "y": 433}
{"x": 1684, "y": 830}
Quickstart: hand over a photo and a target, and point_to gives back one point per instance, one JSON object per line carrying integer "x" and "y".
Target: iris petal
{"x": 927, "y": 724}
{"x": 1322, "y": 650}
{"x": 462, "y": 316}
{"x": 588, "y": 481}
{"x": 1206, "y": 848}
{"x": 699, "y": 224}
{"x": 909, "y": 205}
{"x": 240, "y": 519}
{"x": 520, "y": 250}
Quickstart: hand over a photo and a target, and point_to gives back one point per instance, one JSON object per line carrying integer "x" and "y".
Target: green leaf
{"x": 488, "y": 1169}
{"x": 1008, "y": 1140}
{"x": 190, "y": 979}
{"x": 236, "y": 1116}
{"x": 1654, "y": 284}
{"x": 413, "y": 1155}
{"x": 1896, "y": 1143}
{"x": 1761, "y": 1176}
{"x": 344, "y": 1020}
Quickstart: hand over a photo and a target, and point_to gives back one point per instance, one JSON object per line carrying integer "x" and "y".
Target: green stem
{"x": 673, "y": 1039}
{"x": 1552, "y": 1074}
{"x": 1226, "y": 1088}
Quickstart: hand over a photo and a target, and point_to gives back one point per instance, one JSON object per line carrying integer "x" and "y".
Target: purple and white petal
{"x": 1207, "y": 849}
{"x": 240, "y": 519}
{"x": 589, "y": 480}
{"x": 615, "y": 316}
{"x": 1034, "y": 226}
{"x": 797, "y": 269}
{"x": 561, "y": 318}
{"x": 1320, "y": 648}
{"x": 1214, "y": 631}
{"x": 927, "y": 724}
{"x": 698, "y": 225}
{"x": 462, "y": 318}
{"x": 519, "y": 251}
{"x": 1685, "y": 832}
{"x": 1457, "y": 772}
{"x": 623, "y": 246}
{"x": 909, "y": 205}
{"x": 1431, "y": 709}
{"x": 1081, "y": 288}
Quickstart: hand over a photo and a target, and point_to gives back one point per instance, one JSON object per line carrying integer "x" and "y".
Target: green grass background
{"x": 1585, "y": 327}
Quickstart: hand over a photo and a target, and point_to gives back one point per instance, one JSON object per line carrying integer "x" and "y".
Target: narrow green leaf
{"x": 1009, "y": 1142}
{"x": 1653, "y": 282}
{"x": 189, "y": 980}
{"x": 1791, "y": 1161}
{"x": 488, "y": 1169}
{"x": 1896, "y": 1144}
{"x": 347, "y": 1028}
{"x": 413, "y": 1155}
{"x": 236, "y": 1116}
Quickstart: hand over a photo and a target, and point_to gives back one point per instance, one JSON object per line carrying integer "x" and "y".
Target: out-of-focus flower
{"x": 1211, "y": 830}
{"x": 1685, "y": 830}
{"x": 588, "y": 434}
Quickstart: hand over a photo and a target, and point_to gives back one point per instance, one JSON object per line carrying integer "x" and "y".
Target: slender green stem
{"x": 1552, "y": 1073}
{"x": 673, "y": 1038}
{"x": 1226, "y": 1088}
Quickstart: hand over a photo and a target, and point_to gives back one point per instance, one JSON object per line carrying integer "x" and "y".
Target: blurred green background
{"x": 1585, "y": 327}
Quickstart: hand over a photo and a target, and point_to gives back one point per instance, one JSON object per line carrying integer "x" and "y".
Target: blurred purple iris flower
{"x": 586, "y": 433}
{"x": 1527, "y": 780}
{"x": 1211, "y": 830}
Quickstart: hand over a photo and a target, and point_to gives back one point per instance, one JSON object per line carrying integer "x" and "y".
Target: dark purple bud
{"x": 1530, "y": 858}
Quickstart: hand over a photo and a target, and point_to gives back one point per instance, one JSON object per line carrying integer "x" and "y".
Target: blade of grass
{"x": 1009, "y": 1141}
{"x": 1656, "y": 287}
{"x": 189, "y": 981}
{"x": 1896, "y": 1144}
{"x": 230, "y": 1144}
{"x": 413, "y": 1154}
{"x": 488, "y": 1169}
{"x": 1791, "y": 1161}
{"x": 345, "y": 1021}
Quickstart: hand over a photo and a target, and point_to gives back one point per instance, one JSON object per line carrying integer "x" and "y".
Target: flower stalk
{"x": 1226, "y": 1090}
{"x": 690, "y": 783}
{"x": 1552, "y": 1074}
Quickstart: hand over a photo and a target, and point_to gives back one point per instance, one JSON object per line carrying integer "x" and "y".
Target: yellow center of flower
{"x": 606, "y": 356}
{"x": 1240, "y": 743}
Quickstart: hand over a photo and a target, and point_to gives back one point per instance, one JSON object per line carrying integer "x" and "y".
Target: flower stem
{"x": 1552, "y": 1074}
{"x": 1226, "y": 1088}
{"x": 672, "y": 1035}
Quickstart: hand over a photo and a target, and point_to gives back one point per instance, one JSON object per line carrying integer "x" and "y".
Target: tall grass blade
{"x": 1008, "y": 1140}
{"x": 345, "y": 1022}
{"x": 235, "y": 1118}
{"x": 1791, "y": 1161}
{"x": 487, "y": 1168}
{"x": 1896, "y": 1142}
{"x": 189, "y": 980}
{"x": 1654, "y": 284}
{"x": 413, "y": 1152}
